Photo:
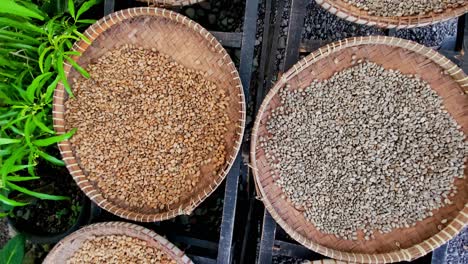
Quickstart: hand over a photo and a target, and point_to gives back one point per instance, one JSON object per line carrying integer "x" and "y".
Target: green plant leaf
{"x": 41, "y": 47}
{"x": 5, "y": 38}
{"x": 19, "y": 36}
{"x": 10, "y": 162}
{"x": 21, "y": 92}
{"x": 50, "y": 90}
{"x": 50, "y": 158}
{"x": 14, "y": 65}
{"x": 9, "y": 36}
{"x": 2, "y": 215}
{"x": 19, "y": 168}
{"x": 19, "y": 46}
{"x": 5, "y": 141}
{"x": 83, "y": 37}
{"x": 5, "y": 98}
{"x": 55, "y": 139}
{"x": 42, "y": 126}
{"x": 10, "y": 202}
{"x": 71, "y": 8}
{"x": 6, "y": 63}
{"x": 50, "y": 29}
{"x": 69, "y": 44}
{"x": 42, "y": 196}
{"x": 86, "y": 6}
{"x": 41, "y": 58}
{"x": 48, "y": 63}
{"x": 16, "y": 130}
{"x": 87, "y": 21}
{"x": 32, "y": 6}
{"x": 4, "y": 152}
{"x": 22, "y": 178}
{"x": 37, "y": 84}
{"x": 59, "y": 40}
{"x": 8, "y": 114}
{"x": 32, "y": 160}
{"x": 29, "y": 128}
{"x": 13, "y": 251}
{"x": 62, "y": 75}
{"x": 11, "y": 7}
{"x": 20, "y": 77}
{"x": 14, "y": 122}
{"x": 72, "y": 52}
{"x": 77, "y": 67}
{"x": 22, "y": 25}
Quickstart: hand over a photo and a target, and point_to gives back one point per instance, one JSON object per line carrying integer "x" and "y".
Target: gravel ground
{"x": 320, "y": 24}
{"x": 4, "y": 232}
{"x": 220, "y": 15}
{"x": 280, "y": 52}
{"x": 288, "y": 260}
{"x": 431, "y": 36}
{"x": 259, "y": 35}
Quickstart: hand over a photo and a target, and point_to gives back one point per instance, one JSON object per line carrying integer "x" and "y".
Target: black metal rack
{"x": 245, "y": 223}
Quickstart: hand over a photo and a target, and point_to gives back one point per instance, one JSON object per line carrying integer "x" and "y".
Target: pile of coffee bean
{"x": 398, "y": 8}
{"x": 149, "y": 128}
{"x": 118, "y": 249}
{"x": 367, "y": 150}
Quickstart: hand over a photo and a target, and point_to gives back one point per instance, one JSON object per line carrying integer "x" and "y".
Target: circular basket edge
{"x": 407, "y": 254}
{"x": 163, "y": 242}
{"x": 69, "y": 158}
{"x": 391, "y": 22}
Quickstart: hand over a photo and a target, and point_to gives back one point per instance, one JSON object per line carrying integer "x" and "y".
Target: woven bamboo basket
{"x": 448, "y": 80}
{"x": 327, "y": 261}
{"x": 72, "y": 243}
{"x": 351, "y": 13}
{"x": 188, "y": 44}
{"x": 168, "y": 3}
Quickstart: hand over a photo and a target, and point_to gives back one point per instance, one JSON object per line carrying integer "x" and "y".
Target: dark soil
{"x": 45, "y": 217}
{"x": 4, "y": 234}
{"x": 205, "y": 220}
{"x": 36, "y": 253}
{"x": 218, "y": 15}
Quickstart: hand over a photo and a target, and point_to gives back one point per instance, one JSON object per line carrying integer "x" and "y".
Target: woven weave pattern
{"x": 353, "y": 14}
{"x": 72, "y": 243}
{"x": 171, "y": 2}
{"x": 188, "y": 44}
{"x": 329, "y": 261}
{"x": 444, "y": 77}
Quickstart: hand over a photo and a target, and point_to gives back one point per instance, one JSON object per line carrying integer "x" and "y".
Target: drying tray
{"x": 72, "y": 243}
{"x": 188, "y": 44}
{"x": 351, "y": 13}
{"x": 447, "y": 79}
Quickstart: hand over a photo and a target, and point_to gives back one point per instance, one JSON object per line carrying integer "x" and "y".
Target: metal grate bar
{"x": 109, "y": 6}
{"x": 230, "y": 199}
{"x": 295, "y": 28}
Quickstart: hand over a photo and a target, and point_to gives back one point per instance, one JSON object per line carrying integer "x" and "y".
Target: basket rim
{"x": 92, "y": 33}
{"x": 170, "y": 3}
{"x": 164, "y": 244}
{"x": 408, "y": 254}
{"x": 339, "y": 8}
{"x": 329, "y": 261}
